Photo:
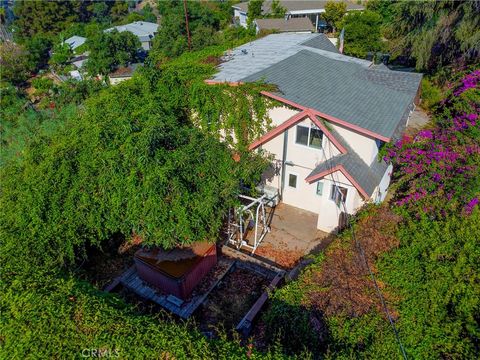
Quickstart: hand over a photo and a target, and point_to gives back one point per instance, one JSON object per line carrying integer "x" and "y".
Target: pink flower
{"x": 426, "y": 134}
{"x": 471, "y": 205}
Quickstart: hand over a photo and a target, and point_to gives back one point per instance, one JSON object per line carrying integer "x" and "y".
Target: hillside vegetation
{"x": 423, "y": 248}
{"x": 162, "y": 157}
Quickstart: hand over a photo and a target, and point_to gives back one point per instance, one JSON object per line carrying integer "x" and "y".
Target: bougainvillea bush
{"x": 437, "y": 170}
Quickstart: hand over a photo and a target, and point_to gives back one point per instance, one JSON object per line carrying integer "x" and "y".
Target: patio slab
{"x": 293, "y": 235}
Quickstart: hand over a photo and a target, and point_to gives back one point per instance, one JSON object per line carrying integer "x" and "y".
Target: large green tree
{"x": 362, "y": 33}
{"x": 14, "y": 63}
{"x": 334, "y": 12}
{"x": 38, "y": 47}
{"x": 204, "y": 21}
{"x": 42, "y": 16}
{"x": 435, "y": 33}
{"x": 277, "y": 10}
{"x": 109, "y": 50}
{"x": 62, "y": 53}
{"x": 254, "y": 10}
{"x": 127, "y": 163}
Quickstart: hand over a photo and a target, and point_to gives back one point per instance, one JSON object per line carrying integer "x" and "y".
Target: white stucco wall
{"x": 364, "y": 146}
{"x": 329, "y": 214}
{"x": 301, "y": 160}
{"x": 242, "y": 17}
{"x": 382, "y": 189}
{"x": 280, "y": 114}
{"x": 146, "y": 45}
{"x": 118, "y": 80}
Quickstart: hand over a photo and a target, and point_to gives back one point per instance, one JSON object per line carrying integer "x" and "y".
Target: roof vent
{"x": 244, "y": 51}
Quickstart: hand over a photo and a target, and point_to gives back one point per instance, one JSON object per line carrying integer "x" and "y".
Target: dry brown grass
{"x": 342, "y": 285}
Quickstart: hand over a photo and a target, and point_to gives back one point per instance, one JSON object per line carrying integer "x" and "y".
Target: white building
{"x": 145, "y": 31}
{"x": 123, "y": 73}
{"x": 298, "y": 8}
{"x": 335, "y": 114}
{"x": 75, "y": 42}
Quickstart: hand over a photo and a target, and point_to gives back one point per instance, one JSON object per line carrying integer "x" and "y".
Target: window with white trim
{"x": 292, "y": 180}
{"x": 309, "y": 136}
{"x": 320, "y": 188}
{"x": 338, "y": 194}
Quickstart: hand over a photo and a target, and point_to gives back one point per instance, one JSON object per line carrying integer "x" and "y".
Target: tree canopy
{"x": 61, "y": 55}
{"x": 254, "y": 10}
{"x": 154, "y": 174}
{"x": 436, "y": 33}
{"x": 204, "y": 19}
{"x": 362, "y": 33}
{"x": 14, "y": 63}
{"x": 278, "y": 11}
{"x": 334, "y": 12}
{"x": 110, "y": 50}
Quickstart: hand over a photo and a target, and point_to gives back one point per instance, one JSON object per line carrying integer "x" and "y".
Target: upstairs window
{"x": 309, "y": 136}
{"x": 338, "y": 194}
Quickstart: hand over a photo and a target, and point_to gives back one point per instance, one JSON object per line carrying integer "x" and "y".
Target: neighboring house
{"x": 75, "y": 42}
{"x": 336, "y": 113}
{"x": 145, "y": 31}
{"x": 75, "y": 74}
{"x": 311, "y": 9}
{"x": 285, "y": 25}
{"x": 78, "y": 61}
{"x": 123, "y": 73}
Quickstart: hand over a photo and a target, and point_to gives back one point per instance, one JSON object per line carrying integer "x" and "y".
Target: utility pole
{"x": 186, "y": 23}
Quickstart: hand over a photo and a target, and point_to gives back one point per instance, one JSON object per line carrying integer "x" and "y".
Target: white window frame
{"x": 323, "y": 188}
{"x": 334, "y": 192}
{"x": 288, "y": 180}
{"x": 309, "y": 127}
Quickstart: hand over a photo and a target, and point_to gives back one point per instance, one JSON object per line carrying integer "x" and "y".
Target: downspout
{"x": 284, "y": 159}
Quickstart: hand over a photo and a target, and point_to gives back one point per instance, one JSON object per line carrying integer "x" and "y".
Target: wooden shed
{"x": 176, "y": 271}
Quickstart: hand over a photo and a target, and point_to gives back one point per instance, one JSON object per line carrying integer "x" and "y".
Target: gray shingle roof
{"x": 367, "y": 176}
{"x": 257, "y": 55}
{"x": 321, "y": 43}
{"x": 285, "y": 25}
{"x": 297, "y": 5}
{"x": 341, "y": 87}
{"x": 144, "y": 30}
{"x": 75, "y": 41}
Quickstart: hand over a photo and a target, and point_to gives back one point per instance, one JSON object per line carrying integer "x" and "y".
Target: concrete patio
{"x": 293, "y": 235}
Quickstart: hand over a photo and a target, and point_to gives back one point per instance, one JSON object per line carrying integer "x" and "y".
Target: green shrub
{"x": 431, "y": 95}
{"x": 292, "y": 325}
{"x": 62, "y": 318}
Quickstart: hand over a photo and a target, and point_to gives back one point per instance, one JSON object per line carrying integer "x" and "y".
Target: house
{"x": 78, "y": 61}
{"x": 285, "y": 25}
{"x": 75, "y": 42}
{"x": 336, "y": 113}
{"x": 76, "y": 75}
{"x": 144, "y": 30}
{"x": 123, "y": 73}
{"x": 311, "y": 9}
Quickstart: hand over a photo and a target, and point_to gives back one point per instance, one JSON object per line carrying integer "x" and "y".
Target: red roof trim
{"x": 278, "y": 130}
{"x": 342, "y": 169}
{"x": 328, "y": 117}
{"x": 326, "y": 132}
{"x": 285, "y": 101}
{"x": 292, "y": 121}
